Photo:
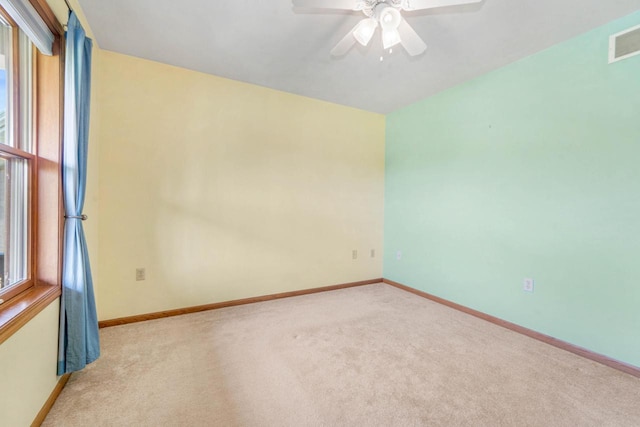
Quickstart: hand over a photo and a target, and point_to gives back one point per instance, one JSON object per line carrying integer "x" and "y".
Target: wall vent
{"x": 625, "y": 44}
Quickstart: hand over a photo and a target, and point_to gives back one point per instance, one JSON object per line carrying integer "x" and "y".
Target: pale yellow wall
{"x": 225, "y": 190}
{"x": 28, "y": 368}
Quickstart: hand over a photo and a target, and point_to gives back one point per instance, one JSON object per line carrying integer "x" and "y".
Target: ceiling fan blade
{"x": 432, "y": 4}
{"x": 410, "y": 40}
{"x": 328, "y": 4}
{"x": 345, "y": 44}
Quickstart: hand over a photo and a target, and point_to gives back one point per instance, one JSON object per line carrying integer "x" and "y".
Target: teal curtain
{"x": 79, "y": 341}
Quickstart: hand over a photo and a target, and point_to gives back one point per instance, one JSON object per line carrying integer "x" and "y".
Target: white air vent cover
{"x": 624, "y": 44}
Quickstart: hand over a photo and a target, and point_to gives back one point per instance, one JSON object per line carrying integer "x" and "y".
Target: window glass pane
{"x": 26, "y": 93}
{"x": 16, "y": 264}
{"x": 3, "y": 218}
{"x": 14, "y": 219}
{"x": 5, "y": 79}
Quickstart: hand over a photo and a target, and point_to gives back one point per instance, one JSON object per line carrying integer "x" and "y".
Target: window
{"x": 16, "y": 158}
{"x": 30, "y": 175}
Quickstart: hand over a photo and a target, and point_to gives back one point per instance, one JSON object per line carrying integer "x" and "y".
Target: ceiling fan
{"x": 384, "y": 14}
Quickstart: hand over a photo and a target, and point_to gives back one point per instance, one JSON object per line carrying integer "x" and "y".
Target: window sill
{"x": 15, "y": 313}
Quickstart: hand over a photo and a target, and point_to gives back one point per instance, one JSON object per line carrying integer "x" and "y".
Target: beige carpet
{"x": 367, "y": 356}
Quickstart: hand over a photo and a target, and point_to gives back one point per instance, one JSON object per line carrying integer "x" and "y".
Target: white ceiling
{"x": 269, "y": 43}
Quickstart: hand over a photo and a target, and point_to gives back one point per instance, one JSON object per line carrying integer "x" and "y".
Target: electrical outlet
{"x": 373, "y": 253}
{"x": 140, "y": 274}
{"x": 527, "y": 285}
{"x": 354, "y": 254}
{"x": 398, "y": 255}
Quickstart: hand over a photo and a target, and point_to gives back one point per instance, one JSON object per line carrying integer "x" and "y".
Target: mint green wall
{"x": 532, "y": 170}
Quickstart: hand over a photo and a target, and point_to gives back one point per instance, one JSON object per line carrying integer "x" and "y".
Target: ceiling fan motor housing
{"x": 368, "y": 7}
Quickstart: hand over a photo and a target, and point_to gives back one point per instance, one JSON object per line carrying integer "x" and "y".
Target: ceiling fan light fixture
{"x": 388, "y": 16}
{"x": 390, "y": 38}
{"x": 364, "y": 31}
